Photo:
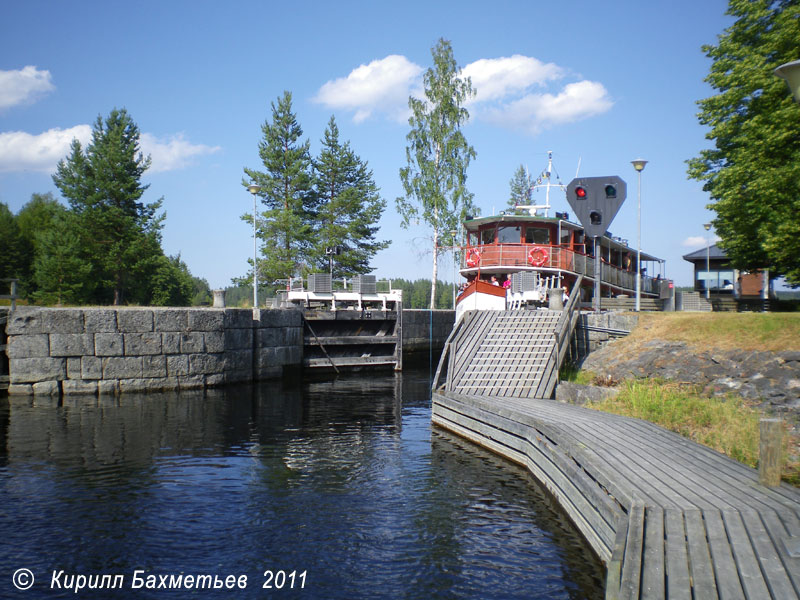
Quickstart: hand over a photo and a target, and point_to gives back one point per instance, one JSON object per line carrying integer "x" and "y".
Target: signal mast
{"x": 543, "y": 181}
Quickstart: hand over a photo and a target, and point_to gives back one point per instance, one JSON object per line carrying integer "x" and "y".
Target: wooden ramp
{"x": 670, "y": 518}
{"x": 508, "y": 353}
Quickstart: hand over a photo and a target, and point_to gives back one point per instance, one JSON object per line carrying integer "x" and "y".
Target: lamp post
{"x": 453, "y": 234}
{"x": 708, "y": 261}
{"x": 639, "y": 164}
{"x": 791, "y": 73}
{"x": 254, "y": 189}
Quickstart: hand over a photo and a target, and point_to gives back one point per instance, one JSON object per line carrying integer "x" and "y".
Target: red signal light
{"x": 580, "y": 192}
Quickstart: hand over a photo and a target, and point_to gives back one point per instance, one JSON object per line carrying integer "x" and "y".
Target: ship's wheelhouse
{"x": 556, "y": 249}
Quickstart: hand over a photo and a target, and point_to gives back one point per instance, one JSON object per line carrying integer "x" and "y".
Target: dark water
{"x": 342, "y": 483}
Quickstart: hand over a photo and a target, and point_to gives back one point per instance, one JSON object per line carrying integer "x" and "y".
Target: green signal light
{"x": 611, "y": 191}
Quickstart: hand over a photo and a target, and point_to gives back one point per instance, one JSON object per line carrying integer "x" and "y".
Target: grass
{"x": 729, "y": 425}
{"x": 724, "y": 331}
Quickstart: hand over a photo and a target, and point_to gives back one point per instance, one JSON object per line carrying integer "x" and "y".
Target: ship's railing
{"x": 554, "y": 257}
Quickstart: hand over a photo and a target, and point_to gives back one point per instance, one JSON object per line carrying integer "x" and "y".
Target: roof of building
{"x": 713, "y": 253}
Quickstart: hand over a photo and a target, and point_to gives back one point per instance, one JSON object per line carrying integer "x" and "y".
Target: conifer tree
{"x": 434, "y": 181}
{"x": 62, "y": 273}
{"x": 521, "y": 187}
{"x": 119, "y": 235}
{"x": 349, "y": 210}
{"x": 286, "y": 192}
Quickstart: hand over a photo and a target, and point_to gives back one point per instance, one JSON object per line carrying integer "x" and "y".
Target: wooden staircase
{"x": 512, "y": 353}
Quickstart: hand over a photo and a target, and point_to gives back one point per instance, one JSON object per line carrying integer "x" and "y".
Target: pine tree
{"x": 284, "y": 228}
{"x": 350, "y": 207}
{"x": 119, "y": 234}
{"x": 62, "y": 272}
{"x": 438, "y": 154}
{"x": 753, "y": 172}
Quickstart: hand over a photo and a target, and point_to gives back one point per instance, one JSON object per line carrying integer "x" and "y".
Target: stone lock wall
{"x": 424, "y": 328}
{"x": 56, "y": 351}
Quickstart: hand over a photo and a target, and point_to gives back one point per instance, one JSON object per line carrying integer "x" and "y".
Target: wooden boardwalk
{"x": 669, "y": 518}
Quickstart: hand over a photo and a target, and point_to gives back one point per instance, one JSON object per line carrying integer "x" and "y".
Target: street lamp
{"x": 708, "y": 261}
{"x": 254, "y": 189}
{"x": 453, "y": 234}
{"x": 791, "y": 73}
{"x": 639, "y": 164}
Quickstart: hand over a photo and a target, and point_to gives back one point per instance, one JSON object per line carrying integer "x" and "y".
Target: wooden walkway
{"x": 669, "y": 518}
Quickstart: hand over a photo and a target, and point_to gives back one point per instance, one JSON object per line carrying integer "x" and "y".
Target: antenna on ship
{"x": 543, "y": 181}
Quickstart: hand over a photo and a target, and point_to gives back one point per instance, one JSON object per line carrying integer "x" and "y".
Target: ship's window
{"x": 537, "y": 235}
{"x": 508, "y": 235}
{"x": 487, "y": 236}
{"x": 473, "y": 238}
{"x": 565, "y": 237}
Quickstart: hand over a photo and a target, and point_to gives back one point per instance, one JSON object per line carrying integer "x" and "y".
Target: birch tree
{"x": 434, "y": 180}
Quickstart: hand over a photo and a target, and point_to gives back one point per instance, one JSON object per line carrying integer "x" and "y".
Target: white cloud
{"x": 495, "y": 78}
{"x": 697, "y": 241}
{"x": 535, "y": 112}
{"x": 172, "y": 153}
{"x": 381, "y": 86}
{"x": 510, "y": 92}
{"x": 21, "y": 151}
{"x": 24, "y": 85}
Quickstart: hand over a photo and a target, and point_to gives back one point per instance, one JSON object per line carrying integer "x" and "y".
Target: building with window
{"x": 713, "y": 272}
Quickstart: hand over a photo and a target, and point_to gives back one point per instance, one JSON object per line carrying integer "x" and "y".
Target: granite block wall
{"x": 69, "y": 351}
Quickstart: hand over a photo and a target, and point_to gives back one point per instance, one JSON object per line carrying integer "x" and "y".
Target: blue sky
{"x": 597, "y": 82}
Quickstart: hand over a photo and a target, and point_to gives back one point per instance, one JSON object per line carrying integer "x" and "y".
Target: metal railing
{"x": 543, "y": 256}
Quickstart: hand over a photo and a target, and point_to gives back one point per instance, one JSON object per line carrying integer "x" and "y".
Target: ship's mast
{"x": 549, "y": 170}
{"x": 545, "y": 178}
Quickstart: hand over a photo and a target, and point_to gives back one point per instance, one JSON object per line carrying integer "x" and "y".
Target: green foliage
{"x": 521, "y": 187}
{"x": 350, "y": 207}
{"x": 753, "y": 172}
{"x": 38, "y": 215}
{"x": 171, "y": 282}
{"x": 417, "y": 294}
{"x": 16, "y": 251}
{"x": 119, "y": 236}
{"x": 201, "y": 292}
{"x": 434, "y": 180}
{"x": 286, "y": 192}
{"x": 62, "y": 274}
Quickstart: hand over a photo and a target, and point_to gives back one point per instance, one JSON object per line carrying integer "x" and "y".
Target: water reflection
{"x": 342, "y": 479}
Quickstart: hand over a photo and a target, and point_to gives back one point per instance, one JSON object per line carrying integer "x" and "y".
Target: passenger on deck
{"x": 494, "y": 281}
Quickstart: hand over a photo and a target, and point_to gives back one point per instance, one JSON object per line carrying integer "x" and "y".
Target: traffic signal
{"x": 596, "y": 201}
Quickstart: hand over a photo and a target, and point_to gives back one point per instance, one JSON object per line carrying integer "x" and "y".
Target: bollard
{"x": 555, "y": 297}
{"x": 770, "y": 451}
{"x": 219, "y": 298}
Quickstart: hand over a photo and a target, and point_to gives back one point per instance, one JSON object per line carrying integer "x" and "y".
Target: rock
{"x": 772, "y": 379}
{"x": 574, "y": 393}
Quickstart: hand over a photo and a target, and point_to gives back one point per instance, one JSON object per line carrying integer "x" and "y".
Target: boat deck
{"x": 669, "y": 517}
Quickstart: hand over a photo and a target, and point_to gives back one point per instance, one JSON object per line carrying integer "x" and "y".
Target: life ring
{"x": 473, "y": 258}
{"x": 537, "y": 256}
